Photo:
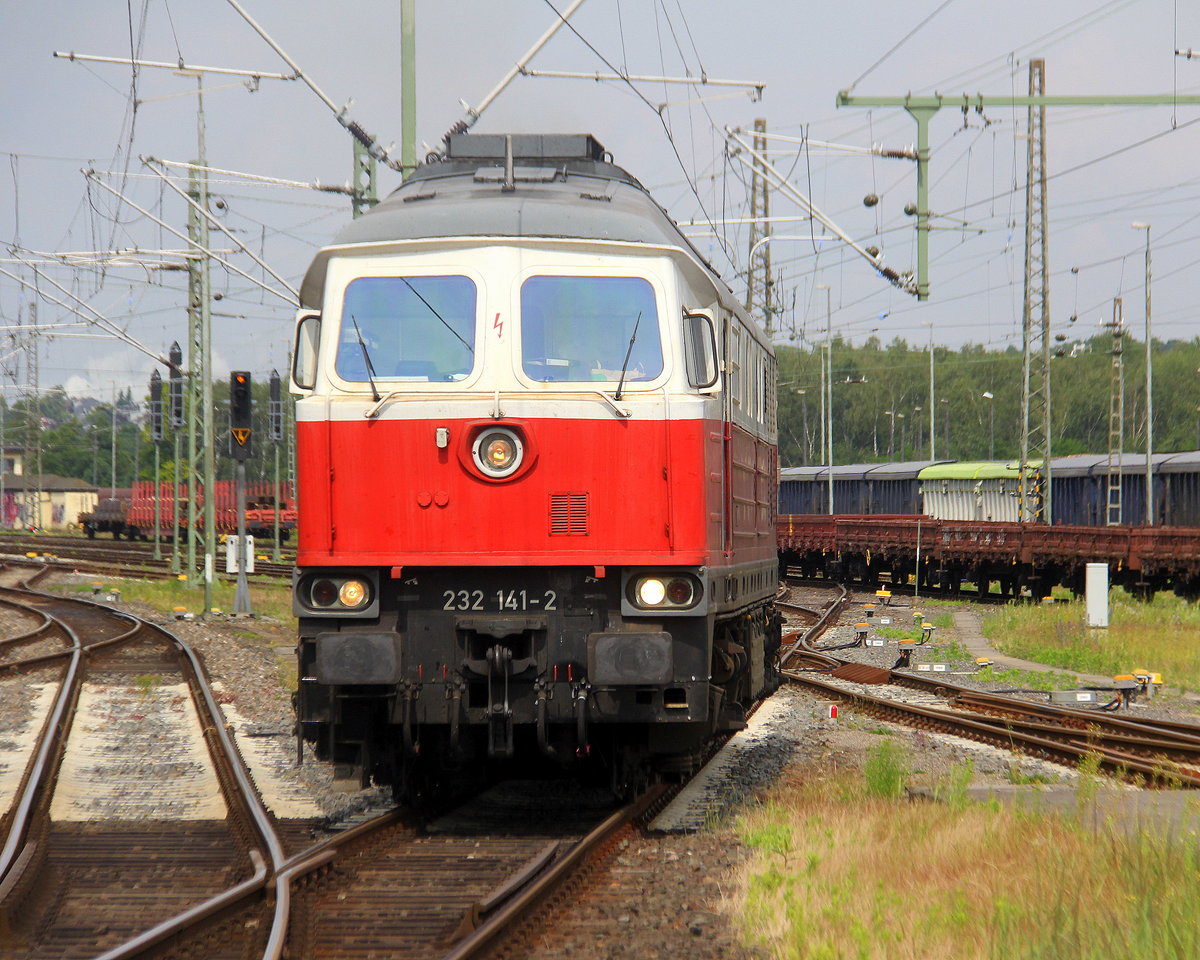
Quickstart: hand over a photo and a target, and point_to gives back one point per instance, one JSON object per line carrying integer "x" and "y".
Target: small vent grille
{"x": 568, "y": 514}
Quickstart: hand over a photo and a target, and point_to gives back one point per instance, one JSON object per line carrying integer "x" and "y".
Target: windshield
{"x": 412, "y": 328}
{"x": 579, "y": 329}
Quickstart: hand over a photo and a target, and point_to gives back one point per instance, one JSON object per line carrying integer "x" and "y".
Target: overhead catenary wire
{"x": 200, "y": 209}
{"x": 657, "y": 113}
{"x": 97, "y": 318}
{"x": 292, "y": 298}
{"x": 908, "y": 36}
{"x": 355, "y": 129}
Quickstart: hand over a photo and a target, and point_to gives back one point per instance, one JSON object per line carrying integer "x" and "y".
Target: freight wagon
{"x": 131, "y": 515}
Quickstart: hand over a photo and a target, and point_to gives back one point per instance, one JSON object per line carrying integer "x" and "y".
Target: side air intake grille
{"x": 568, "y": 514}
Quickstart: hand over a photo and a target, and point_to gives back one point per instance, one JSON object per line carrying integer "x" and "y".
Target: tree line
{"x": 79, "y": 437}
{"x": 880, "y": 410}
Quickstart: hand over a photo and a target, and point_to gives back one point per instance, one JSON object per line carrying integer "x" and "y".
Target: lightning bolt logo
{"x": 498, "y": 326}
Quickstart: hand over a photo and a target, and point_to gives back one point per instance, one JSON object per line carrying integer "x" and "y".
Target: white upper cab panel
{"x": 503, "y": 317}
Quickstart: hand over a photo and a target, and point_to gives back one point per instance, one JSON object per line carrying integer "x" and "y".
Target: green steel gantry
{"x": 1035, "y": 393}
{"x": 923, "y": 109}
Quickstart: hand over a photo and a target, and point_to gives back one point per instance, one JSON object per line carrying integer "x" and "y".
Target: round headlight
{"x": 353, "y": 593}
{"x": 651, "y": 591}
{"x": 498, "y": 452}
{"x": 679, "y": 591}
{"x": 324, "y": 593}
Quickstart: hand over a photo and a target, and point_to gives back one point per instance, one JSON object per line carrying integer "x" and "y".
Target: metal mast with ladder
{"x": 759, "y": 300}
{"x": 1116, "y": 417}
{"x": 1035, "y": 317}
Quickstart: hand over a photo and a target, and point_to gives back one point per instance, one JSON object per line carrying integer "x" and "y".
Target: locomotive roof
{"x": 563, "y": 186}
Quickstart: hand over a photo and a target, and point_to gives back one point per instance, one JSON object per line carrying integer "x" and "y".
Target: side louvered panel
{"x": 568, "y": 514}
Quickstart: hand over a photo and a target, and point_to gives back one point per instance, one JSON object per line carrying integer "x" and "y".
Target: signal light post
{"x": 241, "y": 435}
{"x": 175, "y": 420}
{"x": 275, "y": 434}
{"x": 156, "y": 435}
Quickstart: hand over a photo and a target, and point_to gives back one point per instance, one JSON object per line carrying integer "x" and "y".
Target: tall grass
{"x": 1162, "y": 635}
{"x": 840, "y": 871}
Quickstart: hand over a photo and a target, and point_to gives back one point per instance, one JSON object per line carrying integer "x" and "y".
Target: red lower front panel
{"x": 591, "y": 492}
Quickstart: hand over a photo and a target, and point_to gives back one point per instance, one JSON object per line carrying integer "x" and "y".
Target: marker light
{"x": 651, "y": 592}
{"x": 353, "y": 593}
{"x": 679, "y": 591}
{"x": 324, "y": 593}
{"x": 664, "y": 591}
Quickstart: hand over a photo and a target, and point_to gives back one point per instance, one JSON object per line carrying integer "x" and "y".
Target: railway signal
{"x": 275, "y": 410}
{"x": 275, "y": 435}
{"x": 175, "y": 420}
{"x": 240, "y": 406}
{"x": 241, "y": 403}
{"x": 156, "y": 435}
{"x": 175, "y": 387}
{"x": 156, "y": 407}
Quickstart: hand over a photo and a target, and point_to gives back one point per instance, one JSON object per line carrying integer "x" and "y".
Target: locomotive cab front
{"x": 536, "y": 471}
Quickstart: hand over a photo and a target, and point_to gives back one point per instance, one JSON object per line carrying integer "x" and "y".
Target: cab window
{"x": 580, "y": 329}
{"x": 407, "y": 328}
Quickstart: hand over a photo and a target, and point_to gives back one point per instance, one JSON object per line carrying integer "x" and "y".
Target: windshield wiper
{"x": 417, "y": 294}
{"x": 366, "y": 358}
{"x": 628, "y": 354}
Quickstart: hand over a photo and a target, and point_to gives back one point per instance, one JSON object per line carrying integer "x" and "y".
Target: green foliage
{"x": 886, "y": 769}
{"x": 1027, "y": 679}
{"x": 1161, "y": 635}
{"x": 899, "y": 633}
{"x": 269, "y": 600}
{"x": 772, "y": 837}
{"x": 1019, "y": 777}
{"x": 952, "y": 789}
{"x": 77, "y": 435}
{"x": 897, "y": 378}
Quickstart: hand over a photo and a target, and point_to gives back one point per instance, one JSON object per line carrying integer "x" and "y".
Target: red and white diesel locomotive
{"x": 537, "y": 476}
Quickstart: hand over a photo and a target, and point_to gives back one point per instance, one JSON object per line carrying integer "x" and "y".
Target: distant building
{"x": 12, "y": 460}
{"x": 45, "y": 502}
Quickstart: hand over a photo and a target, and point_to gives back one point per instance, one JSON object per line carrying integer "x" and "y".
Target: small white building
{"x": 43, "y": 502}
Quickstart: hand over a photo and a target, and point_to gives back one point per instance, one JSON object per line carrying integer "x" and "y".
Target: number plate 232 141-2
{"x": 499, "y": 600}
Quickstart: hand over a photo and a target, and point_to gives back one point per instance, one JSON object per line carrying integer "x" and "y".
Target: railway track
{"x": 101, "y": 840}
{"x": 1143, "y": 750}
{"x": 117, "y": 558}
{"x": 92, "y": 866}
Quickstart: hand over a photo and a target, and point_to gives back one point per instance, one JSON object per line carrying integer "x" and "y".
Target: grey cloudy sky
{"x": 1109, "y": 166}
